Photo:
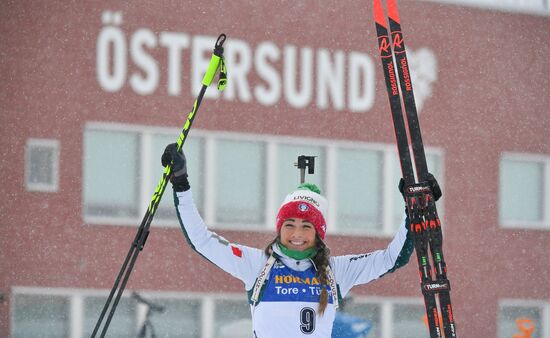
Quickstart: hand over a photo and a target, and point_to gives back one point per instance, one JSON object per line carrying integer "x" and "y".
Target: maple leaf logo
{"x": 423, "y": 69}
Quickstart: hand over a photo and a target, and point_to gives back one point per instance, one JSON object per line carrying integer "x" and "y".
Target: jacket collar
{"x": 294, "y": 264}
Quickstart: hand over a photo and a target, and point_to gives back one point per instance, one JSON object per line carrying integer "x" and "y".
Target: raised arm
{"x": 351, "y": 270}
{"x": 242, "y": 262}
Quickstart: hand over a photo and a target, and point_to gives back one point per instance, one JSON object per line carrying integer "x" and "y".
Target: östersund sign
{"x": 333, "y": 80}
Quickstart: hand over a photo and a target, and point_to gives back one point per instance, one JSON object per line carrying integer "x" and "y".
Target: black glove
{"x": 432, "y": 182}
{"x": 179, "y": 167}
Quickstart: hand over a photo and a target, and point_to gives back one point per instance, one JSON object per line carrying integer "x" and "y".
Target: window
{"x": 179, "y": 317}
{"x": 536, "y": 7}
{"x": 122, "y": 170}
{"x": 232, "y": 319}
{"x": 523, "y": 193}
{"x": 124, "y": 321}
{"x": 359, "y": 203}
{"x": 371, "y": 312}
{"x": 388, "y": 317}
{"x": 42, "y": 165}
{"x": 50, "y": 312}
{"x": 524, "y": 318}
{"x": 111, "y": 173}
{"x": 408, "y": 323}
{"x": 40, "y": 315}
{"x": 368, "y": 199}
{"x": 240, "y": 180}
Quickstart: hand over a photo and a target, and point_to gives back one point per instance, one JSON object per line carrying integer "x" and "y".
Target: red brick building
{"x": 91, "y": 93}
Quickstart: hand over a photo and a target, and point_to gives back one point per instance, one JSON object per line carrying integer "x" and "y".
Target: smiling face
{"x": 297, "y": 234}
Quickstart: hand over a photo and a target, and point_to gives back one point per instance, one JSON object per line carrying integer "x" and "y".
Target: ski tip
{"x": 379, "y": 13}
{"x": 392, "y": 11}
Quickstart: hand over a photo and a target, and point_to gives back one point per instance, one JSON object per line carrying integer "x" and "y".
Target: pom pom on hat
{"x": 309, "y": 186}
{"x": 306, "y": 203}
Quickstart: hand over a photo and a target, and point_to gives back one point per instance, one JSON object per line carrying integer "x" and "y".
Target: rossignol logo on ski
{"x": 406, "y": 75}
{"x": 385, "y": 45}
{"x": 398, "y": 46}
{"x": 393, "y": 80}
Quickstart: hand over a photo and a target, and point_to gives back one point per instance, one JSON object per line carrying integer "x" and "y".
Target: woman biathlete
{"x": 293, "y": 285}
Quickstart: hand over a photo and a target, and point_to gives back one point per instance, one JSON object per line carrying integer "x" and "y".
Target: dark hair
{"x": 321, "y": 261}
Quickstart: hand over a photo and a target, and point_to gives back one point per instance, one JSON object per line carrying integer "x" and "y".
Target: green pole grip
{"x": 212, "y": 69}
{"x": 214, "y": 61}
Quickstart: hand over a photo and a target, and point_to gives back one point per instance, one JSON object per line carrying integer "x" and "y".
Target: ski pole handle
{"x": 215, "y": 61}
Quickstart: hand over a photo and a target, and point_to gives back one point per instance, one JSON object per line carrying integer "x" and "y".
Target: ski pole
{"x": 216, "y": 62}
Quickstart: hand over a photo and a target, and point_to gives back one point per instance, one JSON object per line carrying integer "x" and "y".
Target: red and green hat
{"x": 307, "y": 203}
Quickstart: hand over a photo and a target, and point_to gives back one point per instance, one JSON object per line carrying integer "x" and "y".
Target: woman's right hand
{"x": 179, "y": 167}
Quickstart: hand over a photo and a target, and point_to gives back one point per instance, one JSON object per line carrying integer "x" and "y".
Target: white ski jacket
{"x": 290, "y": 296}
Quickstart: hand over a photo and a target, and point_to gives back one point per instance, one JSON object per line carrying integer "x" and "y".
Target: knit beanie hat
{"x": 306, "y": 203}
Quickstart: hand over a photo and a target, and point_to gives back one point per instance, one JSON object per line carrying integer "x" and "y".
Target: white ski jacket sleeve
{"x": 242, "y": 262}
{"x": 351, "y": 270}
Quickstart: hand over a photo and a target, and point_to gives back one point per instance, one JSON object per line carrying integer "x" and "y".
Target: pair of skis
{"x": 424, "y": 221}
